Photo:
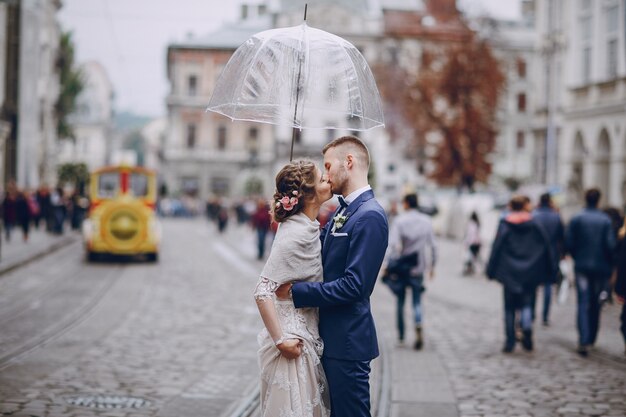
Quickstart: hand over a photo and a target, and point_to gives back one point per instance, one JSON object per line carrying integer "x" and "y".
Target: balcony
{"x": 183, "y": 100}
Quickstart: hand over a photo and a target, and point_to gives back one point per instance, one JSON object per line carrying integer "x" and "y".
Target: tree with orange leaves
{"x": 450, "y": 104}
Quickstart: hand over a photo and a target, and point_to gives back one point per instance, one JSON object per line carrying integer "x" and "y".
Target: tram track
{"x": 81, "y": 313}
{"x": 11, "y": 306}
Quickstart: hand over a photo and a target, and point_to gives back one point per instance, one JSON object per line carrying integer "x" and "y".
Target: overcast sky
{"x": 130, "y": 37}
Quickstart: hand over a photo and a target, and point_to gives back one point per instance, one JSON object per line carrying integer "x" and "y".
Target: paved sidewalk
{"x": 461, "y": 371}
{"x": 17, "y": 252}
{"x": 414, "y": 384}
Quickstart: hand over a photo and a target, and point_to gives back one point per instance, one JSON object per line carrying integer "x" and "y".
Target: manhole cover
{"x": 107, "y": 401}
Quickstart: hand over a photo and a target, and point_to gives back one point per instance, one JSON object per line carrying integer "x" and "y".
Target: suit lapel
{"x": 354, "y": 206}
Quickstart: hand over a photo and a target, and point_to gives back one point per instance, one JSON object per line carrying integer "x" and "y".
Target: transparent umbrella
{"x": 300, "y": 77}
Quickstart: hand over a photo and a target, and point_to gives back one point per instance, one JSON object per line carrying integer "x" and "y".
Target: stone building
{"x": 38, "y": 86}
{"x": 583, "y": 64}
{"x": 513, "y": 43}
{"x": 92, "y": 120}
{"x": 30, "y": 88}
{"x": 198, "y": 158}
{"x": 205, "y": 154}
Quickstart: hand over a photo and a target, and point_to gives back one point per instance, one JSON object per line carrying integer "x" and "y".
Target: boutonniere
{"x": 338, "y": 221}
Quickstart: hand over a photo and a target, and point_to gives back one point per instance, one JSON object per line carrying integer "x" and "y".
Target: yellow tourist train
{"x": 122, "y": 216}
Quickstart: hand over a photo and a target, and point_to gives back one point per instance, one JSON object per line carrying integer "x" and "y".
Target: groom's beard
{"x": 340, "y": 182}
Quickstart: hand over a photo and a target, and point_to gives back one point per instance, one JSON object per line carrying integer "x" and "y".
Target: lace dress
{"x": 297, "y": 387}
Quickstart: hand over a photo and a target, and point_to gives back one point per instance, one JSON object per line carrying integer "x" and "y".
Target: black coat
{"x": 521, "y": 255}
{"x": 551, "y": 222}
{"x": 620, "y": 283}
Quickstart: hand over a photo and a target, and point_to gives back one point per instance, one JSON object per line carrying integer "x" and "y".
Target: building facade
{"x": 513, "y": 43}
{"x": 584, "y": 64}
{"x": 205, "y": 154}
{"x": 92, "y": 120}
{"x": 38, "y": 90}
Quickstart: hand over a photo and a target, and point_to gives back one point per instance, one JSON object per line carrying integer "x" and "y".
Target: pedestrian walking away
{"x": 590, "y": 241}
{"x": 620, "y": 278}
{"x": 548, "y": 218}
{"x": 261, "y": 221}
{"x": 411, "y": 233}
{"x": 520, "y": 258}
{"x": 472, "y": 243}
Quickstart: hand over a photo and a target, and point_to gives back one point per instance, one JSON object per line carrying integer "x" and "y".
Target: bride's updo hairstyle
{"x": 295, "y": 184}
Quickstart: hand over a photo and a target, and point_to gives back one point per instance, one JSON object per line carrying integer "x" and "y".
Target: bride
{"x": 293, "y": 383}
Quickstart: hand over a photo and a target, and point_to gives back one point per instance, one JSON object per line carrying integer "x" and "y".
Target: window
{"x": 585, "y": 22}
{"x": 191, "y": 136}
{"x": 221, "y": 138}
{"x": 331, "y": 93}
{"x": 547, "y": 83}
{"x": 521, "y": 103}
{"x": 612, "y": 19}
{"x": 192, "y": 85}
{"x": 189, "y": 185}
{"x": 108, "y": 184}
{"x": 611, "y": 58}
{"x": 585, "y": 5}
{"x": 521, "y": 140}
{"x": 139, "y": 184}
{"x": 551, "y": 15}
{"x": 587, "y": 64}
{"x": 612, "y": 26}
{"x": 220, "y": 185}
{"x": 253, "y": 135}
{"x": 330, "y": 133}
{"x": 298, "y": 135}
{"x": 521, "y": 68}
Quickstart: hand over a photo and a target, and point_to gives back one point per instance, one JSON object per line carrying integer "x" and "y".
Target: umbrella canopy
{"x": 300, "y": 77}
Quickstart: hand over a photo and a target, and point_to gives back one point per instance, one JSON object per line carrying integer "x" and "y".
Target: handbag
{"x": 565, "y": 284}
{"x": 398, "y": 271}
{"x": 402, "y": 266}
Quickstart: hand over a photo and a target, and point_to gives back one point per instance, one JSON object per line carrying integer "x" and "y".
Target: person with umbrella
{"x": 290, "y": 344}
{"x": 353, "y": 248}
{"x": 304, "y": 77}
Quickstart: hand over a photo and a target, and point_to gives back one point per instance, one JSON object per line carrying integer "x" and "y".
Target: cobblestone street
{"x": 464, "y": 322}
{"x": 178, "y": 338}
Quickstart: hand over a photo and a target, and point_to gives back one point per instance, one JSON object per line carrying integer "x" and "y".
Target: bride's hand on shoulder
{"x": 290, "y": 348}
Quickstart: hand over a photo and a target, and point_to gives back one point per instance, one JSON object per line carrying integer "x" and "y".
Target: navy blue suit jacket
{"x": 352, "y": 258}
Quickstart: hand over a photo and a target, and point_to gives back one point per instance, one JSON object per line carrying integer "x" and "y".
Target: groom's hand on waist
{"x": 284, "y": 291}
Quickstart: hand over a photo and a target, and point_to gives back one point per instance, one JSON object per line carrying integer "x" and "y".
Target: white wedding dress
{"x": 297, "y": 387}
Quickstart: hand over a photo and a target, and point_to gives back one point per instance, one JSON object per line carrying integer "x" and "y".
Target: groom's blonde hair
{"x": 352, "y": 145}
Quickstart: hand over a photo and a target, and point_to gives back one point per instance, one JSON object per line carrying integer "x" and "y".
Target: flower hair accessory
{"x": 287, "y": 202}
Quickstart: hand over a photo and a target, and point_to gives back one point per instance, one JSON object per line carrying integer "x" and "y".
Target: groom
{"x": 353, "y": 247}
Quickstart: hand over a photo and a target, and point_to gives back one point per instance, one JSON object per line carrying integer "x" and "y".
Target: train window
{"x": 108, "y": 184}
{"x": 139, "y": 184}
